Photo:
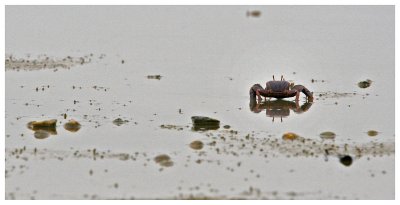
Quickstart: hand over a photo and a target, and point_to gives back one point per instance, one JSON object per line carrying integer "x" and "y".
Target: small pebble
{"x": 196, "y": 145}
{"x": 372, "y": 133}
{"x": 290, "y": 136}
{"x": 327, "y": 135}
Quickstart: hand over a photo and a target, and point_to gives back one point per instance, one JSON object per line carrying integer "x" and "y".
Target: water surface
{"x": 207, "y": 57}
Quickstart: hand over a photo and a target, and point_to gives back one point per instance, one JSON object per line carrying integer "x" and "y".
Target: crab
{"x": 279, "y": 89}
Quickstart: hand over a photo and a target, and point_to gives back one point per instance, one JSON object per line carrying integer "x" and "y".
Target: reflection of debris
{"x": 41, "y": 134}
{"x": 120, "y": 121}
{"x": 204, "y": 123}
{"x": 164, "y": 160}
{"x": 278, "y": 108}
{"x": 254, "y": 13}
{"x": 72, "y": 126}
{"x": 365, "y": 84}
{"x": 158, "y": 77}
{"x": 327, "y": 135}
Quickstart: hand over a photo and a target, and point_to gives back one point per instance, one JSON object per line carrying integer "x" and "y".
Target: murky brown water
{"x": 148, "y": 70}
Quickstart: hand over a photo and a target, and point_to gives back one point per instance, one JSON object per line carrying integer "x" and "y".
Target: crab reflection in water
{"x": 278, "y": 108}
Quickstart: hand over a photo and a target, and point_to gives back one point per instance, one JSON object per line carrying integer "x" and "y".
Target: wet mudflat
{"x": 125, "y": 127}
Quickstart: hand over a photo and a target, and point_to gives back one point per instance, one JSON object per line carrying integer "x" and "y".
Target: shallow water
{"x": 208, "y": 58}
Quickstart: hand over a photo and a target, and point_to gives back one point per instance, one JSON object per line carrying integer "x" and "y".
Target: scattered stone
{"x": 164, "y": 160}
{"x": 72, "y": 126}
{"x": 227, "y": 126}
{"x": 119, "y": 121}
{"x": 290, "y": 136}
{"x": 327, "y": 135}
{"x": 346, "y": 160}
{"x": 196, "y": 145}
{"x": 48, "y": 126}
{"x": 254, "y": 13}
{"x": 46, "y": 123}
{"x": 158, "y": 77}
{"x": 161, "y": 158}
{"x": 204, "y": 123}
{"x": 372, "y": 133}
{"x": 365, "y": 84}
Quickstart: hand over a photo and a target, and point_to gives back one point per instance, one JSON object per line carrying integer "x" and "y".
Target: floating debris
{"x": 158, "y": 77}
{"x": 254, "y": 13}
{"x": 41, "y": 134}
{"x": 365, "y": 84}
{"x": 43, "y": 62}
{"x": 372, "y": 133}
{"x": 119, "y": 121}
{"x": 290, "y": 136}
{"x": 204, "y": 123}
{"x": 316, "y": 81}
{"x": 172, "y": 127}
{"x": 164, "y": 160}
{"x": 100, "y": 88}
{"x": 72, "y": 126}
{"x": 325, "y": 95}
{"x": 327, "y": 135}
{"x": 346, "y": 160}
{"x": 196, "y": 145}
